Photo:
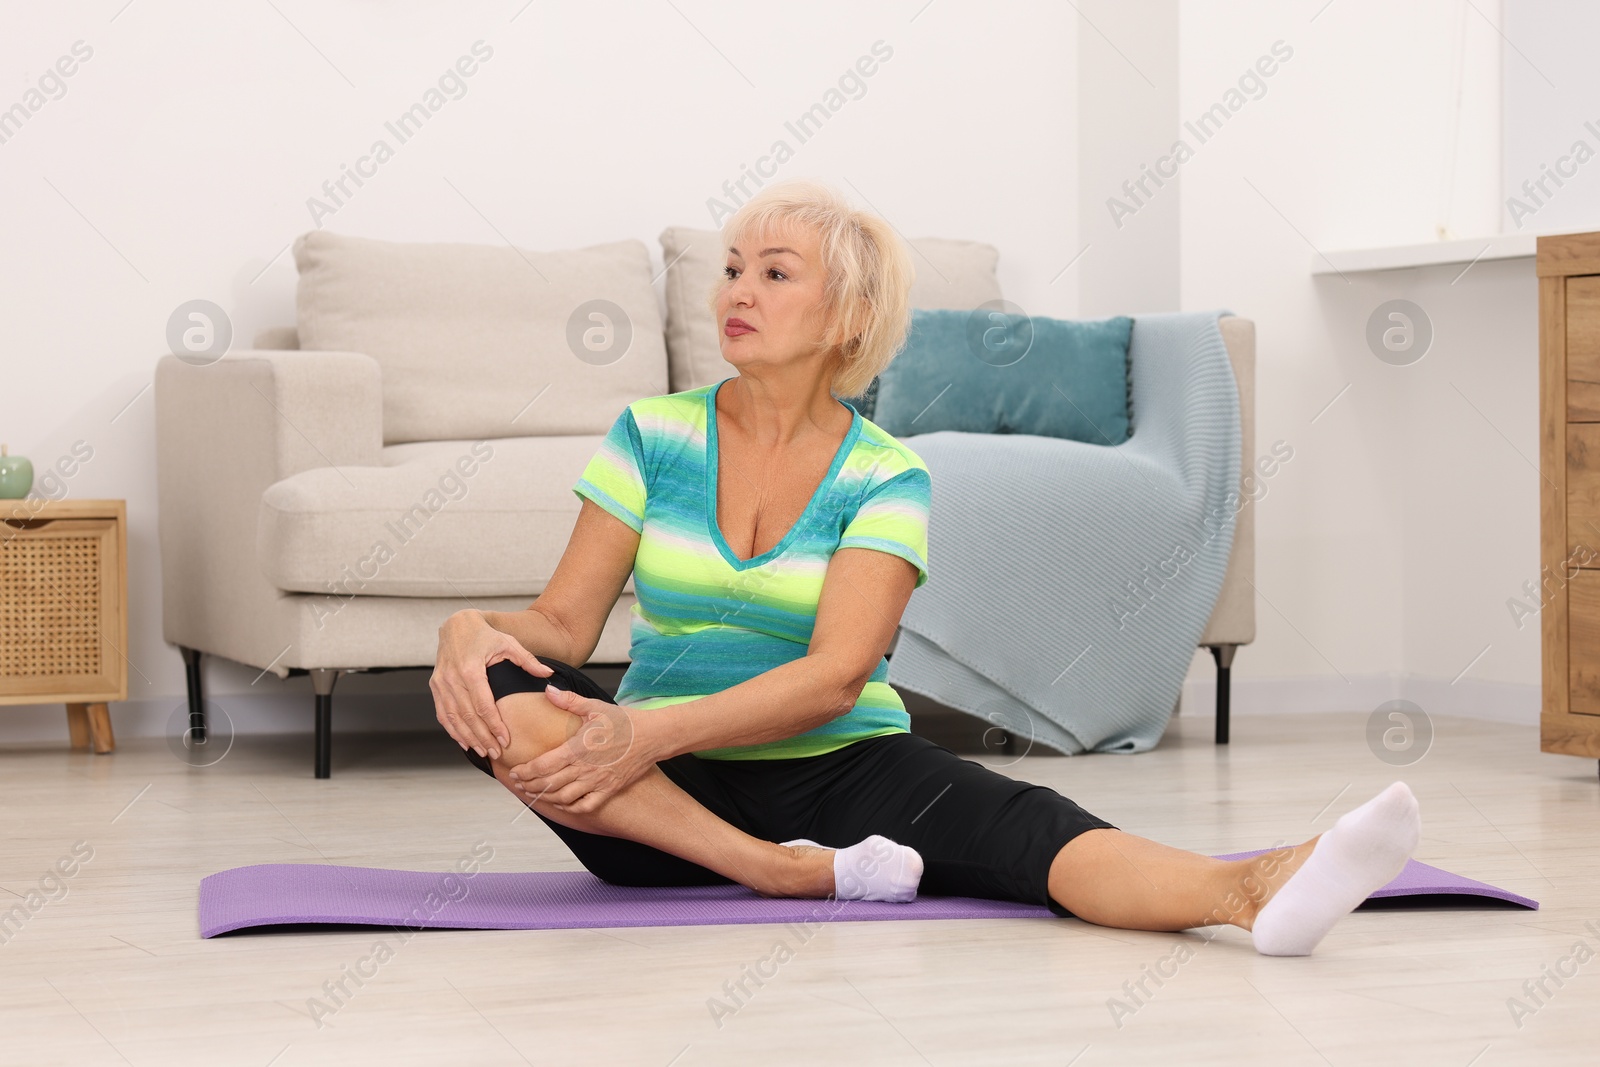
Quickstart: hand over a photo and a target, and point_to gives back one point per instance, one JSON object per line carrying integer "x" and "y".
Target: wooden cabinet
{"x": 1568, "y": 267}
{"x": 64, "y": 610}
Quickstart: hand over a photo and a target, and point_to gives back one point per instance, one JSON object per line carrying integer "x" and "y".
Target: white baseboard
{"x": 265, "y": 713}
{"x": 356, "y": 712}
{"x": 1470, "y": 698}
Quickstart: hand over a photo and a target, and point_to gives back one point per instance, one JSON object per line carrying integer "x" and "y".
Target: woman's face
{"x": 769, "y": 309}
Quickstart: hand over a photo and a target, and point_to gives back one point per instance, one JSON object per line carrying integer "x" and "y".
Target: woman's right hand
{"x": 460, "y": 681}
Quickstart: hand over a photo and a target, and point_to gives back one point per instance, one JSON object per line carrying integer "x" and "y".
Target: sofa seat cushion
{"x": 439, "y": 519}
{"x": 487, "y": 340}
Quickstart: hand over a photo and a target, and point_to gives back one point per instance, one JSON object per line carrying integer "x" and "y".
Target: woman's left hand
{"x": 601, "y": 759}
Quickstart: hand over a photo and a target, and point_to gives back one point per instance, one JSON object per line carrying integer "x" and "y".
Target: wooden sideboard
{"x": 1568, "y": 267}
{"x": 64, "y": 610}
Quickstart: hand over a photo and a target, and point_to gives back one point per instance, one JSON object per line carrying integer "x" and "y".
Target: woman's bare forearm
{"x": 777, "y": 704}
{"x": 537, "y": 632}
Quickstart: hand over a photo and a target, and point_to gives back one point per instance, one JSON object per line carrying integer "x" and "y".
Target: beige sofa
{"x": 329, "y": 496}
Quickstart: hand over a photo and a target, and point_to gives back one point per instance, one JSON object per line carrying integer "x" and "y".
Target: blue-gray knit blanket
{"x": 1069, "y": 583}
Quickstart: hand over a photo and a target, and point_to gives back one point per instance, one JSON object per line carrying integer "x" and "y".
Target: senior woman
{"x": 775, "y": 537}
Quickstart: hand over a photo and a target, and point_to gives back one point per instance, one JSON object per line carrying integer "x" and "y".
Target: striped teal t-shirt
{"x": 706, "y": 620}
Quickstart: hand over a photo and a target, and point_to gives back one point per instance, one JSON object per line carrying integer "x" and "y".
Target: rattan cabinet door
{"x": 59, "y": 607}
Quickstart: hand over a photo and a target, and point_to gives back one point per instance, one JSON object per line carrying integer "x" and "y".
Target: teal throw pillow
{"x": 991, "y": 371}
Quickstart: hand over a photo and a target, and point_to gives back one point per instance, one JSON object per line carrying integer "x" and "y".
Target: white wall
{"x": 179, "y": 160}
{"x": 1552, "y": 116}
{"x": 1128, "y": 84}
{"x": 1388, "y": 546}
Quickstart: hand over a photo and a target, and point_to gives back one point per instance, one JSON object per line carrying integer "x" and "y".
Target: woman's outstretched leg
{"x": 1288, "y": 898}
{"x": 1112, "y": 878}
{"x": 656, "y": 811}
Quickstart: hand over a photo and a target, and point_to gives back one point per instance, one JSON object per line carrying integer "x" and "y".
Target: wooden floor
{"x": 114, "y": 971}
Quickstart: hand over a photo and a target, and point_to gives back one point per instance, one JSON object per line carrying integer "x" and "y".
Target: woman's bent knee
{"x": 534, "y": 725}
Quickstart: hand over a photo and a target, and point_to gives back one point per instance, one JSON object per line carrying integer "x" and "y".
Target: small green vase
{"x": 16, "y": 475}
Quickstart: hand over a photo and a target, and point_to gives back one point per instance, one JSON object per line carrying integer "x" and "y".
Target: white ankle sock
{"x": 874, "y": 869}
{"x": 1363, "y": 852}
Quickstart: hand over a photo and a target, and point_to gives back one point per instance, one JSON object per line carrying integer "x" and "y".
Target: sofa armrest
{"x": 1233, "y": 620}
{"x": 224, "y": 432}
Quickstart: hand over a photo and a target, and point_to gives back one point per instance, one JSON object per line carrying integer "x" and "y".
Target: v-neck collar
{"x": 711, "y": 484}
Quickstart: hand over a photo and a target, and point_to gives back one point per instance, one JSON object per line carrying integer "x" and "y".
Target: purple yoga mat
{"x": 278, "y": 894}
{"x": 1423, "y": 880}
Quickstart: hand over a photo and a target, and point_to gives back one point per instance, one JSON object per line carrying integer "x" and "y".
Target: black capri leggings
{"x": 980, "y": 833}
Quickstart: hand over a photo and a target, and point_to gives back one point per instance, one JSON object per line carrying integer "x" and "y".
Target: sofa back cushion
{"x": 950, "y": 274}
{"x": 480, "y": 341}
{"x": 989, "y": 371}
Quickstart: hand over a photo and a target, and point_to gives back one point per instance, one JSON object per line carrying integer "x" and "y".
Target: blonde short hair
{"x": 868, "y": 269}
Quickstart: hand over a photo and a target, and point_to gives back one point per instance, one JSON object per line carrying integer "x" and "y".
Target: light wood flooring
{"x": 115, "y": 972}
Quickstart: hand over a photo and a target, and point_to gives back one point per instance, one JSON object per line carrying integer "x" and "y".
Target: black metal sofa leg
{"x": 322, "y": 680}
{"x": 1223, "y": 654}
{"x": 197, "y": 707}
